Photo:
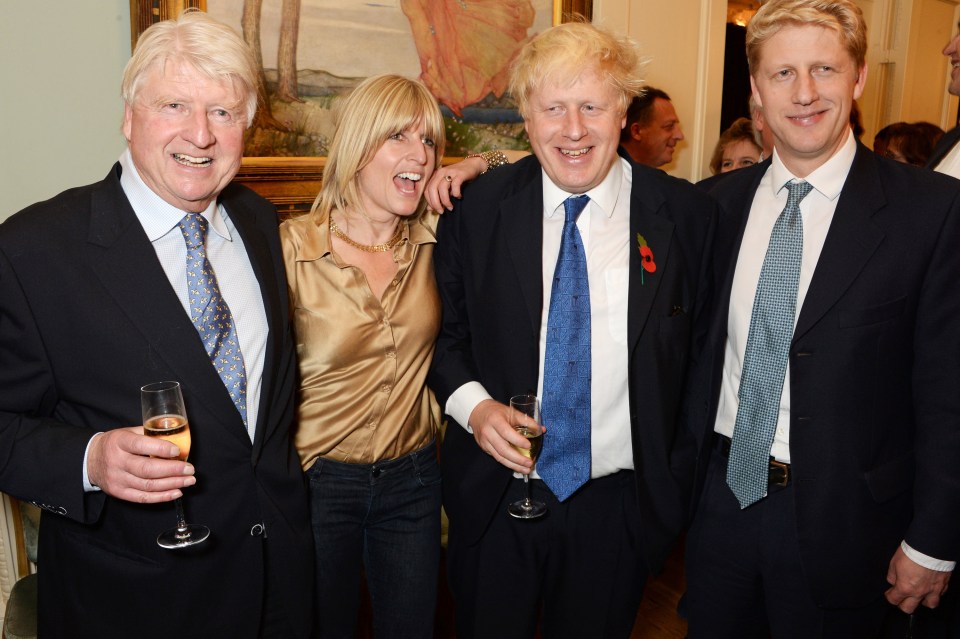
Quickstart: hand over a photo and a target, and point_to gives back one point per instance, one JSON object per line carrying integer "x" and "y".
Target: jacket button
{"x": 256, "y": 530}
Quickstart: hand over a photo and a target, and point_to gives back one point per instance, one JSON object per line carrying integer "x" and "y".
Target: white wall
{"x": 60, "y": 107}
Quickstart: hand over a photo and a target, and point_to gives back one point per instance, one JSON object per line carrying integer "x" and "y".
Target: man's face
{"x": 655, "y": 141}
{"x": 575, "y": 130}
{"x": 806, "y": 83}
{"x": 952, "y": 51}
{"x": 185, "y": 133}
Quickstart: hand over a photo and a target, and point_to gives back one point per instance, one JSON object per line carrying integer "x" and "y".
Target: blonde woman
{"x": 366, "y": 316}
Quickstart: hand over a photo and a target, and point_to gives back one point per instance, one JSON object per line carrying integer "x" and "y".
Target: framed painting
{"x": 313, "y": 52}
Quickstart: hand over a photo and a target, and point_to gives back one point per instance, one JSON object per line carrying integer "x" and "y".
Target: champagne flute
{"x": 525, "y": 415}
{"x": 164, "y": 416}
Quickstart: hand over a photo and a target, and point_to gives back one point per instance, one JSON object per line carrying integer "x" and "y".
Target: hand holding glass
{"x": 525, "y": 416}
{"x": 164, "y": 416}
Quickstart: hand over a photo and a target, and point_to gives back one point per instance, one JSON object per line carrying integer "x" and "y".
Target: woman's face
{"x": 739, "y": 154}
{"x": 393, "y": 183}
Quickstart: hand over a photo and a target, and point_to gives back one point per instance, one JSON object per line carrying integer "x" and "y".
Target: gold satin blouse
{"x": 363, "y": 361}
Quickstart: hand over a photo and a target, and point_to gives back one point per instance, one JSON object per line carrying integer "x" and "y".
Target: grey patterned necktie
{"x": 564, "y": 464}
{"x": 767, "y": 352}
{"x": 210, "y": 314}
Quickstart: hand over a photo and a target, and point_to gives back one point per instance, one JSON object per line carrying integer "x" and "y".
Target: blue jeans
{"x": 384, "y": 517}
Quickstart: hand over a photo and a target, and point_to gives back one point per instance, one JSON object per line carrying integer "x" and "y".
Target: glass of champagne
{"x": 525, "y": 414}
{"x": 164, "y": 416}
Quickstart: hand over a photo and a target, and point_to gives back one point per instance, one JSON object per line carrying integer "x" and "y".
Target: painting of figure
{"x": 313, "y": 52}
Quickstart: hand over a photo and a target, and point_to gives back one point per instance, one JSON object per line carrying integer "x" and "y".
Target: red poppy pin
{"x": 646, "y": 257}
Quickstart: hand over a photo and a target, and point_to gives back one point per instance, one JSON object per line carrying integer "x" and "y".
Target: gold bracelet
{"x": 493, "y": 159}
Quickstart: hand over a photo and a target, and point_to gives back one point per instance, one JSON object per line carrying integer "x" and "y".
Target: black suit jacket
{"x": 943, "y": 147}
{"x": 87, "y": 316}
{"x": 489, "y": 273}
{"x": 874, "y": 374}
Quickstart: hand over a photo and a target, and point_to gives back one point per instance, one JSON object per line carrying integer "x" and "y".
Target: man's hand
{"x": 912, "y": 584}
{"x": 122, "y": 464}
{"x": 495, "y": 434}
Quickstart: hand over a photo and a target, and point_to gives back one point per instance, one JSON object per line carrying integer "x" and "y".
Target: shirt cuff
{"x": 87, "y": 486}
{"x": 461, "y": 403}
{"x": 927, "y": 561}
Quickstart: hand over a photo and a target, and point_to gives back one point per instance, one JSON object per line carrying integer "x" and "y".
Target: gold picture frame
{"x": 290, "y": 183}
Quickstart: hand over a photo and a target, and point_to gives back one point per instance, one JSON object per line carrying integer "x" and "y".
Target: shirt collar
{"x": 828, "y": 178}
{"x": 156, "y": 215}
{"x": 603, "y": 195}
{"x": 316, "y": 240}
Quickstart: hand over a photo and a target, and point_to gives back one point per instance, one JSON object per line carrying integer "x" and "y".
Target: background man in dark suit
{"x": 946, "y": 155}
{"x": 94, "y": 303}
{"x": 644, "y": 236}
{"x": 858, "y": 476}
{"x": 652, "y": 131}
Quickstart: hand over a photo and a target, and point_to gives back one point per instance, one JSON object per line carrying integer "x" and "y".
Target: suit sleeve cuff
{"x": 926, "y": 561}
{"x": 462, "y": 401}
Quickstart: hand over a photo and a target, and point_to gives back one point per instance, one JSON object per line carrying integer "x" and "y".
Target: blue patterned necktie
{"x": 767, "y": 352}
{"x": 564, "y": 464}
{"x": 210, "y": 314}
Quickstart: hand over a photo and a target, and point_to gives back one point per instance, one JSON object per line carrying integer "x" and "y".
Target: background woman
{"x": 366, "y": 315}
{"x": 736, "y": 148}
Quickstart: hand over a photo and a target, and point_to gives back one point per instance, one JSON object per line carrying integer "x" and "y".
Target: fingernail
{"x": 188, "y": 469}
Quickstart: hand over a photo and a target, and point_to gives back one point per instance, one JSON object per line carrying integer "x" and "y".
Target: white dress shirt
{"x": 816, "y": 210}
{"x": 604, "y": 227}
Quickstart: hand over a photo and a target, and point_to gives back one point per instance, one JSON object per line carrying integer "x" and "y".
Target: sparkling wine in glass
{"x": 164, "y": 416}
{"x": 525, "y": 414}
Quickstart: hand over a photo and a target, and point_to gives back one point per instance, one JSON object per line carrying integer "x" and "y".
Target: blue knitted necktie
{"x": 210, "y": 314}
{"x": 767, "y": 352}
{"x": 564, "y": 464}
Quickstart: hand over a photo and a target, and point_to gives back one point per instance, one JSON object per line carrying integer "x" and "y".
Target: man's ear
{"x": 635, "y": 131}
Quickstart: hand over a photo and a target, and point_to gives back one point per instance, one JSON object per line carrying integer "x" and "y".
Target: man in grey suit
{"x": 94, "y": 304}
{"x": 826, "y": 396}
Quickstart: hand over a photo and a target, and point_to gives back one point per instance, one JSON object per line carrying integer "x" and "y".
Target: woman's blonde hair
{"x": 379, "y": 107}
{"x": 194, "y": 38}
{"x": 841, "y": 16}
{"x": 564, "y": 52}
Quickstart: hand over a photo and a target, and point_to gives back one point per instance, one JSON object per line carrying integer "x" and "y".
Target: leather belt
{"x": 778, "y": 473}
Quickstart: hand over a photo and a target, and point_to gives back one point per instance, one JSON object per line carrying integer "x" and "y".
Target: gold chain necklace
{"x": 376, "y": 248}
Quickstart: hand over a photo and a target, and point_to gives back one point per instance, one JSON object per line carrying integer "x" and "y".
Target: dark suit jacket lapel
{"x": 125, "y": 261}
{"x": 258, "y": 250}
{"x": 850, "y": 242}
{"x": 645, "y": 202}
{"x": 521, "y": 221}
{"x": 943, "y": 147}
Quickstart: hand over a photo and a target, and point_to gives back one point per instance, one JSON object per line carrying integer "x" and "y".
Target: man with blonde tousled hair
{"x": 627, "y": 258}
{"x": 824, "y": 399}
{"x": 101, "y": 293}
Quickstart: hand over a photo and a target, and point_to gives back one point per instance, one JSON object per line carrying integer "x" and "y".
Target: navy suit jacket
{"x": 489, "y": 274}
{"x": 87, "y": 316}
{"x": 874, "y": 374}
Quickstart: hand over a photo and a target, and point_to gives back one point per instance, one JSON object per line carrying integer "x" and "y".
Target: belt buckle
{"x": 780, "y": 468}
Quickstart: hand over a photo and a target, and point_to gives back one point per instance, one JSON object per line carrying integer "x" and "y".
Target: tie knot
{"x": 194, "y": 229}
{"x": 573, "y": 206}
{"x": 798, "y": 191}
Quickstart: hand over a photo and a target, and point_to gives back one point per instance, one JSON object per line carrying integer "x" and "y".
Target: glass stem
{"x": 527, "y": 503}
{"x": 182, "y": 531}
